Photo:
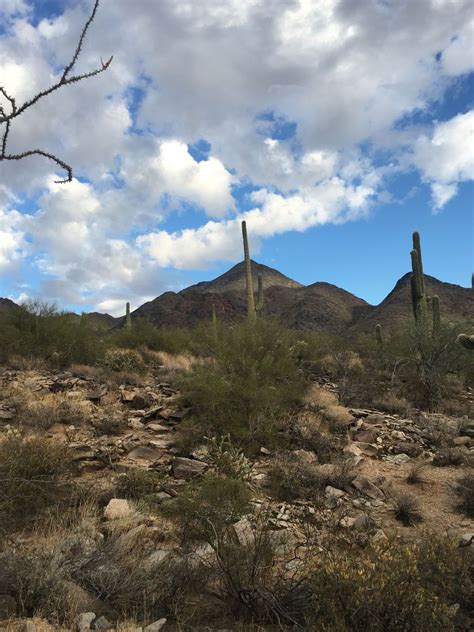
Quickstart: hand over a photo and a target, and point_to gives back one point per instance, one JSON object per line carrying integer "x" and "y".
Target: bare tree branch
{"x": 65, "y": 79}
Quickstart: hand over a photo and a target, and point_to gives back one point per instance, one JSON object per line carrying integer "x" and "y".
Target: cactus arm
{"x": 259, "y": 305}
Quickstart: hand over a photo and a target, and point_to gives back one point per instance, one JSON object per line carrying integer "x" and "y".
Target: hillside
{"x": 457, "y": 303}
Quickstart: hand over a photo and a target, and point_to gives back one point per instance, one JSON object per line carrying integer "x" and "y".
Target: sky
{"x": 335, "y": 128}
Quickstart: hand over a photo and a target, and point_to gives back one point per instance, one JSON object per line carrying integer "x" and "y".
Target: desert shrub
{"x": 391, "y": 586}
{"x": 137, "y": 483}
{"x": 33, "y": 477}
{"x": 40, "y": 330}
{"x": 415, "y": 474}
{"x": 308, "y": 432}
{"x": 406, "y": 509}
{"x": 448, "y": 457}
{"x": 291, "y": 477}
{"x": 123, "y": 361}
{"x": 208, "y": 505}
{"x": 109, "y": 425}
{"x": 252, "y": 380}
{"x": 143, "y": 334}
{"x": 464, "y": 489}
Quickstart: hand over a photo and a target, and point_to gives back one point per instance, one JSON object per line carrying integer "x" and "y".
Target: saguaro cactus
{"x": 379, "y": 334}
{"x": 418, "y": 294}
{"x": 251, "y": 314}
{"x": 128, "y": 317}
{"x": 466, "y": 341}
{"x": 259, "y": 305}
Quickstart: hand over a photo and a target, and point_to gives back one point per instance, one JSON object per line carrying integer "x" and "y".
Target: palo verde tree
{"x": 10, "y": 110}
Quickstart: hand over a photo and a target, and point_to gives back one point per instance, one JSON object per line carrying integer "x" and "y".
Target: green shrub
{"x": 208, "y": 505}
{"x": 33, "y": 478}
{"x": 123, "y": 360}
{"x": 252, "y": 381}
{"x": 137, "y": 483}
{"x": 391, "y": 586}
{"x": 291, "y": 478}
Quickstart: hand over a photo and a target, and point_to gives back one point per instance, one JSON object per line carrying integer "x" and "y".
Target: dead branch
{"x": 66, "y": 78}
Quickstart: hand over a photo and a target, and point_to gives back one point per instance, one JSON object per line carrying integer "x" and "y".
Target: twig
{"x": 65, "y": 79}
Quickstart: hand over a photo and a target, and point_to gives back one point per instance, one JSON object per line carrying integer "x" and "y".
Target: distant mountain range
{"x": 318, "y": 307}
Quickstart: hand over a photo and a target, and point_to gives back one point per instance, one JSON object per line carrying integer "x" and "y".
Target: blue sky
{"x": 334, "y": 130}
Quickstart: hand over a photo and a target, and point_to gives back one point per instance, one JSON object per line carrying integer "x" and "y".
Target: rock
{"x": 158, "y": 556}
{"x": 306, "y": 456}
{"x": 466, "y": 539}
{"x": 265, "y": 451}
{"x": 366, "y": 436}
{"x": 468, "y": 430}
{"x": 156, "y": 626}
{"x": 363, "y": 522}
{"x": 368, "y": 449}
{"x": 127, "y": 396}
{"x": 244, "y": 533}
{"x": 411, "y": 449}
{"x": 6, "y": 415}
{"x": 142, "y": 400}
{"x": 158, "y": 428}
{"x": 187, "y": 468}
{"x": 462, "y": 441}
{"x": 135, "y": 424}
{"x": 108, "y": 398}
{"x": 83, "y": 600}
{"x": 347, "y": 522}
{"x": 367, "y": 488}
{"x": 398, "y": 434}
{"x": 398, "y": 459}
{"x": 8, "y": 606}
{"x": 29, "y": 626}
{"x": 353, "y": 449}
{"x": 374, "y": 419}
{"x": 145, "y": 453}
{"x": 332, "y": 493}
{"x": 84, "y": 621}
{"x": 379, "y": 536}
{"x": 102, "y": 623}
{"x": 118, "y": 508}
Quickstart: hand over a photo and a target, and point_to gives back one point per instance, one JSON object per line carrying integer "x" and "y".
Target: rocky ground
{"x": 122, "y": 427}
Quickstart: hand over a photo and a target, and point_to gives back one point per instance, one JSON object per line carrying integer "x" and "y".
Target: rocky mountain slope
{"x": 316, "y": 307}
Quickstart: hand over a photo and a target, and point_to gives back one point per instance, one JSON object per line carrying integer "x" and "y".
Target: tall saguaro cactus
{"x": 436, "y": 314}
{"x": 128, "y": 317}
{"x": 379, "y": 334}
{"x": 418, "y": 294}
{"x": 251, "y": 314}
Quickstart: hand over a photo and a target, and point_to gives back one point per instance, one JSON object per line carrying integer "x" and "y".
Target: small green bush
{"x": 137, "y": 483}
{"x": 291, "y": 478}
{"x": 464, "y": 489}
{"x": 123, "y": 360}
{"x": 252, "y": 381}
{"x": 208, "y": 505}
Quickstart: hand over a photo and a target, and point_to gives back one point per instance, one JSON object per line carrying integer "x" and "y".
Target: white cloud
{"x": 447, "y": 156}
{"x": 343, "y": 72}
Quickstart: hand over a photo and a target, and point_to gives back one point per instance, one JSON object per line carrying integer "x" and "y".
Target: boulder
{"x": 84, "y": 621}
{"x": 156, "y": 626}
{"x": 102, "y": 623}
{"x": 186, "y": 469}
{"x": 118, "y": 508}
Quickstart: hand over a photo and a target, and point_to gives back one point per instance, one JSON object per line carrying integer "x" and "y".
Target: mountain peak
{"x": 234, "y": 280}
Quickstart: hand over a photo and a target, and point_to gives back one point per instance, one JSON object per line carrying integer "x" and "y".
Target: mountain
{"x": 234, "y": 280}
{"x": 6, "y": 305}
{"x": 456, "y": 302}
{"x": 316, "y": 307}
{"x": 320, "y": 306}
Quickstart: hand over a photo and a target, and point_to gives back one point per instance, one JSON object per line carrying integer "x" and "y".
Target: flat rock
{"x": 84, "y": 621}
{"x": 156, "y": 626}
{"x": 367, "y": 488}
{"x": 144, "y": 453}
{"x": 186, "y": 469}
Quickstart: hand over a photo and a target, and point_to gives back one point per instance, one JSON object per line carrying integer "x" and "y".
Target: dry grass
{"x": 319, "y": 398}
{"x": 85, "y": 371}
{"x": 51, "y": 409}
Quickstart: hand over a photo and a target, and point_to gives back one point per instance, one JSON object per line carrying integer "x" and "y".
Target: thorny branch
{"x": 65, "y": 79}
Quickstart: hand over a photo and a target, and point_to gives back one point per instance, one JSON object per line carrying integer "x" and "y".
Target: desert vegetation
{"x": 238, "y": 474}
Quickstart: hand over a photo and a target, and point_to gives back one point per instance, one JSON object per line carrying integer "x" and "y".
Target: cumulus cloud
{"x": 446, "y": 157}
{"x": 340, "y": 74}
